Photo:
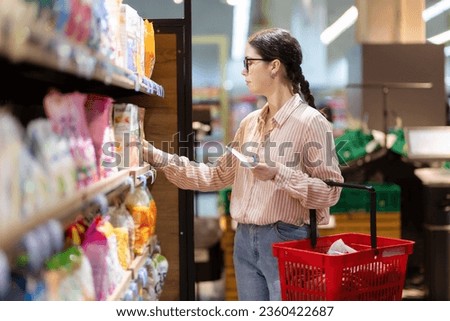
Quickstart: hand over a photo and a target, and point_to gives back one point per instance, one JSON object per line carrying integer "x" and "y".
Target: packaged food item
{"x": 131, "y": 28}
{"x": 34, "y": 185}
{"x": 100, "y": 246}
{"x": 4, "y": 275}
{"x": 150, "y": 51}
{"x": 141, "y": 120}
{"x": 10, "y": 193}
{"x": 99, "y": 121}
{"x": 78, "y": 26}
{"x": 123, "y": 224}
{"x": 68, "y": 117}
{"x": 126, "y": 133}
{"x": 138, "y": 204}
{"x": 153, "y": 211}
{"x": 52, "y": 151}
{"x": 158, "y": 269}
{"x": 69, "y": 276}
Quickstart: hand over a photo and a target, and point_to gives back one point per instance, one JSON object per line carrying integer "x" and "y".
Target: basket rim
{"x": 392, "y": 244}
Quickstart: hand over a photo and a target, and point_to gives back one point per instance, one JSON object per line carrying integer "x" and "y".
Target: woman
{"x": 292, "y": 151}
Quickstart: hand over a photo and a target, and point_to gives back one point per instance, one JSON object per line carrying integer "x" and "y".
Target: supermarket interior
{"x": 86, "y": 214}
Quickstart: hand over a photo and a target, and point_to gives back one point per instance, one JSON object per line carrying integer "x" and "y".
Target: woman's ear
{"x": 275, "y": 67}
{"x": 276, "y": 63}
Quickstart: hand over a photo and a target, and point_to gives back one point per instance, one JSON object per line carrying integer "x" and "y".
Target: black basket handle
{"x": 373, "y": 212}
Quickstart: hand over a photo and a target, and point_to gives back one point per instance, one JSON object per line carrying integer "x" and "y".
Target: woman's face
{"x": 257, "y": 77}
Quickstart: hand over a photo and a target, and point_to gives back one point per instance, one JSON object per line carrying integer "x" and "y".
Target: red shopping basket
{"x": 375, "y": 272}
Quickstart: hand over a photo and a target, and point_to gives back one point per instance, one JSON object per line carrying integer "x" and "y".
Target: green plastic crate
{"x": 224, "y": 199}
{"x": 352, "y": 145}
{"x": 351, "y": 200}
{"x": 388, "y": 199}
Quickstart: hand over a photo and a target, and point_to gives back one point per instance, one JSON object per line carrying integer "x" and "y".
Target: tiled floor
{"x": 414, "y": 290}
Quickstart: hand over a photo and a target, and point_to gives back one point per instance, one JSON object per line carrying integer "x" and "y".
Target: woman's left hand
{"x": 264, "y": 172}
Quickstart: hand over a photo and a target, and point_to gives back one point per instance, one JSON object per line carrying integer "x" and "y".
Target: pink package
{"x": 95, "y": 246}
{"x": 99, "y": 118}
{"x": 79, "y": 24}
{"x": 67, "y": 115}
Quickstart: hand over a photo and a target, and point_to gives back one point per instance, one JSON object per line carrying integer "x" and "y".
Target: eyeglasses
{"x": 246, "y": 60}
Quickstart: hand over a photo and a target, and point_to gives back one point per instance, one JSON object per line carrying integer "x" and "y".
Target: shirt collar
{"x": 284, "y": 112}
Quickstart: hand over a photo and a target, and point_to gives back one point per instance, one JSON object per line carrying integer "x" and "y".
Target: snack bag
{"x": 126, "y": 133}
{"x": 138, "y": 204}
{"x": 153, "y": 211}
{"x": 123, "y": 225}
{"x": 149, "y": 44}
{"x": 99, "y": 121}
{"x": 68, "y": 276}
{"x": 68, "y": 117}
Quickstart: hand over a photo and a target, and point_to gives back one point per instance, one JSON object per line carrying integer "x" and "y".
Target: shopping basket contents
{"x": 375, "y": 271}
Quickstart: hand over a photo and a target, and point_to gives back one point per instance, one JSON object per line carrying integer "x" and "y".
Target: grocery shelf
{"x": 132, "y": 272}
{"x": 139, "y": 262}
{"x": 146, "y": 170}
{"x": 55, "y": 60}
{"x": 121, "y": 288}
{"x": 14, "y": 231}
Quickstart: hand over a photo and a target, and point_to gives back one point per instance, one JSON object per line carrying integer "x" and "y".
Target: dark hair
{"x": 276, "y": 43}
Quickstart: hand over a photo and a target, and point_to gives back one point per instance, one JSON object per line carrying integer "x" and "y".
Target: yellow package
{"x": 141, "y": 215}
{"x": 123, "y": 250}
{"x": 153, "y": 215}
{"x": 149, "y": 44}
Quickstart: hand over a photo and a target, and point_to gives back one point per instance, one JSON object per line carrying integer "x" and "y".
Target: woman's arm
{"x": 191, "y": 175}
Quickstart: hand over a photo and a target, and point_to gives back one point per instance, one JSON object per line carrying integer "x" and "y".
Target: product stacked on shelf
{"x": 148, "y": 276}
{"x": 70, "y": 226}
{"x": 57, "y": 162}
{"x": 83, "y": 139}
{"x": 102, "y": 40}
{"x": 127, "y": 119}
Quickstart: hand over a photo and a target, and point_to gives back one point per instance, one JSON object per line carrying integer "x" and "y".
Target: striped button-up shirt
{"x": 300, "y": 143}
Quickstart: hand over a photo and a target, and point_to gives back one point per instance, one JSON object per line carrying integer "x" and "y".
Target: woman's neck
{"x": 277, "y": 100}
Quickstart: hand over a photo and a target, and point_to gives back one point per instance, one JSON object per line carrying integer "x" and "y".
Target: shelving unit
{"x": 40, "y": 62}
{"x": 132, "y": 272}
{"x": 13, "y": 232}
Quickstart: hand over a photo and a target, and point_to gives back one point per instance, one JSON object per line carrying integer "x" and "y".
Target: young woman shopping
{"x": 291, "y": 151}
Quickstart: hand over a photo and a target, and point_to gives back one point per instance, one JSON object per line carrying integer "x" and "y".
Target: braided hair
{"x": 277, "y": 43}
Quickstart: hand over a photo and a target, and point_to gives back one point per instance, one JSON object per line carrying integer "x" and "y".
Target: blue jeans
{"x": 255, "y": 266}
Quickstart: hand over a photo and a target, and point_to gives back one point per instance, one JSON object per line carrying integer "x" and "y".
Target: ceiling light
{"x": 241, "y": 20}
{"x": 232, "y": 2}
{"x": 178, "y": 1}
{"x": 440, "y": 38}
{"x": 435, "y": 10}
{"x": 339, "y": 26}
